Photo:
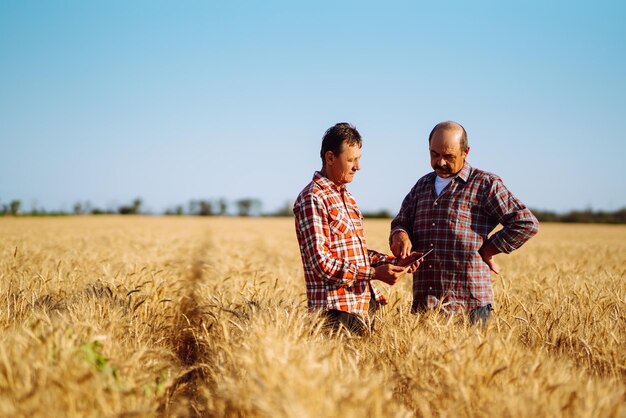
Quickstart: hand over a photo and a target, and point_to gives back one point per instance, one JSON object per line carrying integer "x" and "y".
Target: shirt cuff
{"x": 500, "y": 244}
{"x": 396, "y": 230}
{"x": 361, "y": 272}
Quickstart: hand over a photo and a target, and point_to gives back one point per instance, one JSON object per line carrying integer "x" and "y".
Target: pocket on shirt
{"x": 338, "y": 224}
{"x": 464, "y": 216}
{"x": 461, "y": 215}
{"x": 357, "y": 221}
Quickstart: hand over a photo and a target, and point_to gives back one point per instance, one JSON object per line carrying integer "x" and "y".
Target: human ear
{"x": 329, "y": 157}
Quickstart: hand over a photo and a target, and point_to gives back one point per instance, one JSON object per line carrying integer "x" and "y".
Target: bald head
{"x": 448, "y": 148}
{"x": 453, "y": 128}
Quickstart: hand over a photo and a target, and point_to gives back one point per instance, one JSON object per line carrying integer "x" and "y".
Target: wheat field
{"x": 182, "y": 316}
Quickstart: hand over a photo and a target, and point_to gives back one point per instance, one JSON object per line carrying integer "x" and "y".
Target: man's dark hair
{"x": 448, "y": 125}
{"x": 336, "y": 136}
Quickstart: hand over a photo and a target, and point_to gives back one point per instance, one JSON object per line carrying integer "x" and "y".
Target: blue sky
{"x": 106, "y": 101}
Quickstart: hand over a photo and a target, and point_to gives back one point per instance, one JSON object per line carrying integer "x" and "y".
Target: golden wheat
{"x": 148, "y": 316}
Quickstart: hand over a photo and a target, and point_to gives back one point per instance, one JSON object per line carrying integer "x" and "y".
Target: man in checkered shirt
{"x": 452, "y": 211}
{"x": 339, "y": 269}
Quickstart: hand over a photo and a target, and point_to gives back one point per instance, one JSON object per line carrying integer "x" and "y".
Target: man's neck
{"x": 324, "y": 173}
{"x": 445, "y": 179}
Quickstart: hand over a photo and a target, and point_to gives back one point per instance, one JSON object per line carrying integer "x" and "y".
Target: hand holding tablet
{"x": 413, "y": 260}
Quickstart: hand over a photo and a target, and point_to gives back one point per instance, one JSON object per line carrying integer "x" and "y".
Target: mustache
{"x": 444, "y": 169}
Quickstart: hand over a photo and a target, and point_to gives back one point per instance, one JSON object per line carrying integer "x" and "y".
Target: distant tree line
{"x": 195, "y": 207}
{"x": 253, "y": 207}
{"x": 583, "y": 216}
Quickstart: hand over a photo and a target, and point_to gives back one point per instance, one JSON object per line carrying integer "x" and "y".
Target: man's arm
{"x": 314, "y": 236}
{"x": 378, "y": 259}
{"x": 402, "y": 226}
{"x": 389, "y": 269}
{"x": 519, "y": 224}
{"x": 313, "y": 232}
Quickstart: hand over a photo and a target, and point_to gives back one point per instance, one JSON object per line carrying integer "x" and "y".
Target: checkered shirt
{"x": 338, "y": 267}
{"x": 456, "y": 224}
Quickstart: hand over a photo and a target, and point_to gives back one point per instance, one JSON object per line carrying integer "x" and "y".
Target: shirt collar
{"x": 326, "y": 183}
{"x": 465, "y": 172}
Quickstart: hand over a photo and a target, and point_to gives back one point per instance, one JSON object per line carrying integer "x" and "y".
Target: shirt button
{"x": 433, "y": 224}
{"x": 430, "y": 288}
{"x": 432, "y": 245}
{"x": 435, "y": 203}
{"x": 430, "y": 266}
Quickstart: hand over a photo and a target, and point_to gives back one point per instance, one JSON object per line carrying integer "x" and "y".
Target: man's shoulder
{"x": 426, "y": 179}
{"x": 308, "y": 190}
{"x": 311, "y": 192}
{"x": 483, "y": 176}
{"x": 423, "y": 184}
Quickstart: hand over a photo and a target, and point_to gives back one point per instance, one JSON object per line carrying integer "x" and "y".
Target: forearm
{"x": 379, "y": 259}
{"x": 339, "y": 272}
{"x": 404, "y": 219}
{"x": 518, "y": 228}
{"x": 519, "y": 224}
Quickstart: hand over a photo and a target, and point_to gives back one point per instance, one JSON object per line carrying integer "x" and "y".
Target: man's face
{"x": 446, "y": 156}
{"x": 341, "y": 168}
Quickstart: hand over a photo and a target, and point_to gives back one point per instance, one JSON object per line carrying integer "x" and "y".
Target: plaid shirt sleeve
{"x": 519, "y": 224}
{"x": 405, "y": 218}
{"x": 314, "y": 229}
{"x": 378, "y": 259}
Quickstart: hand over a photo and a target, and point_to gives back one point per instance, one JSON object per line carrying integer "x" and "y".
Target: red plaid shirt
{"x": 338, "y": 267}
{"x": 456, "y": 224}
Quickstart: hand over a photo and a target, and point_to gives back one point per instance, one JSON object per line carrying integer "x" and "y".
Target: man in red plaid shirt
{"x": 339, "y": 270}
{"x": 452, "y": 211}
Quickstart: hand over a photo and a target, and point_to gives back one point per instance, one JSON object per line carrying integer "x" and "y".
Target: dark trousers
{"x": 354, "y": 323}
{"x": 481, "y": 314}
